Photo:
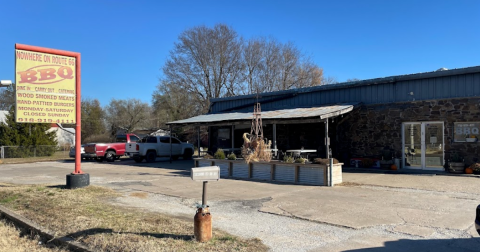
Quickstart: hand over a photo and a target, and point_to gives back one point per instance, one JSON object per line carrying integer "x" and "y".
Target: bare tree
{"x": 127, "y": 115}
{"x": 329, "y": 80}
{"x": 171, "y": 102}
{"x": 207, "y": 63}
{"x": 215, "y": 62}
{"x": 93, "y": 118}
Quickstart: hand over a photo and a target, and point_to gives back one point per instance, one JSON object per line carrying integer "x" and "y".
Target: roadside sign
{"x": 45, "y": 87}
{"x": 207, "y": 173}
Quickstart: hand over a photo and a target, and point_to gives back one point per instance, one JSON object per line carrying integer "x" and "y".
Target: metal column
{"x": 233, "y": 137}
{"x": 171, "y": 143}
{"x": 198, "y": 143}
{"x": 327, "y": 140}
{"x": 275, "y": 139}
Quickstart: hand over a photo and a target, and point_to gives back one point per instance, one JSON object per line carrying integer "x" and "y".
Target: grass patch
{"x": 59, "y": 155}
{"x": 84, "y": 215}
{"x": 13, "y": 240}
{"x": 8, "y": 199}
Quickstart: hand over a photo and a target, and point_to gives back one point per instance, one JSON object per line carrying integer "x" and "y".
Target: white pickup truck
{"x": 152, "y": 147}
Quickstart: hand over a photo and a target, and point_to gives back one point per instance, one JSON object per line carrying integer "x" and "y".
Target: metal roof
{"x": 321, "y": 113}
{"x": 359, "y": 83}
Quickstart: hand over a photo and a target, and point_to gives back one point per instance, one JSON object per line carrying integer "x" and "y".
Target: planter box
{"x": 304, "y": 174}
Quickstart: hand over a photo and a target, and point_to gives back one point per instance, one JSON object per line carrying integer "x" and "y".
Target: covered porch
{"x": 298, "y": 131}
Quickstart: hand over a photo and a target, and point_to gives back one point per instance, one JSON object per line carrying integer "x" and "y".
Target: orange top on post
{"x": 48, "y": 82}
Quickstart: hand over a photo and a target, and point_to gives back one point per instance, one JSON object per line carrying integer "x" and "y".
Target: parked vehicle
{"x": 477, "y": 220}
{"x": 72, "y": 151}
{"x": 152, "y": 147}
{"x": 110, "y": 151}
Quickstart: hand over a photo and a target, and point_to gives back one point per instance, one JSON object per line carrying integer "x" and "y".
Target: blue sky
{"x": 125, "y": 43}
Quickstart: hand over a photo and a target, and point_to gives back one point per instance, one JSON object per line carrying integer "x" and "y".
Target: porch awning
{"x": 284, "y": 115}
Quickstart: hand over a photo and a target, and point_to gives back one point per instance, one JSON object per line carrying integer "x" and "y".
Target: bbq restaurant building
{"x": 420, "y": 119}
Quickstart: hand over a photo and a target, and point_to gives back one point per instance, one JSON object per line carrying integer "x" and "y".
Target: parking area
{"x": 368, "y": 212}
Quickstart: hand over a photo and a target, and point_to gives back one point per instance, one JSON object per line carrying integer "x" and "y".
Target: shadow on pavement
{"x": 437, "y": 245}
{"x": 94, "y": 231}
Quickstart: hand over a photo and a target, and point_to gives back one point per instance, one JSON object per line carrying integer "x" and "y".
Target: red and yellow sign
{"x": 45, "y": 86}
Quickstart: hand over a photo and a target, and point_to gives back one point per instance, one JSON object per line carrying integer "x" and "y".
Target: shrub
{"x": 220, "y": 154}
{"x": 300, "y": 160}
{"x": 232, "y": 156}
{"x": 288, "y": 159}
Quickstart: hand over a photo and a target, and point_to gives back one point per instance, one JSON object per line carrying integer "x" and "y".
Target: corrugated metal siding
{"x": 285, "y": 173}
{"x": 446, "y": 87}
{"x": 240, "y": 170}
{"x": 223, "y": 168}
{"x": 202, "y": 163}
{"x": 311, "y": 176}
{"x": 261, "y": 171}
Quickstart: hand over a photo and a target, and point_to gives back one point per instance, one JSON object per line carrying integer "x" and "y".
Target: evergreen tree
{"x": 27, "y": 135}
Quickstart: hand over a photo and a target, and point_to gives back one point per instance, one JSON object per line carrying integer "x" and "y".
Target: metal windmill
{"x": 256, "y": 131}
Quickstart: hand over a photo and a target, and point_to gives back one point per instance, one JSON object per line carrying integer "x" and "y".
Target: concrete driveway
{"x": 369, "y": 211}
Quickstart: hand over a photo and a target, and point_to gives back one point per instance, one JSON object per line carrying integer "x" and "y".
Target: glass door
{"x": 412, "y": 138}
{"x": 423, "y": 145}
{"x": 433, "y": 145}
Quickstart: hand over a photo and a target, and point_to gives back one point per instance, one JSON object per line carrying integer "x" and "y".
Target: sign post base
{"x": 77, "y": 180}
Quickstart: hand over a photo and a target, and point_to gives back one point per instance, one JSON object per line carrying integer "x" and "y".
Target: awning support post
{"x": 233, "y": 137}
{"x": 171, "y": 135}
{"x": 275, "y": 139}
{"x": 327, "y": 147}
{"x": 198, "y": 142}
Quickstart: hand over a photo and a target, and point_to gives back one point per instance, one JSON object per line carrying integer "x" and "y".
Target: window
{"x": 152, "y": 140}
{"x": 121, "y": 139}
{"x": 167, "y": 140}
{"x": 134, "y": 139}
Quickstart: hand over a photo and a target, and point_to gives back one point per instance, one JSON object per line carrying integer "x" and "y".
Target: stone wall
{"x": 368, "y": 130}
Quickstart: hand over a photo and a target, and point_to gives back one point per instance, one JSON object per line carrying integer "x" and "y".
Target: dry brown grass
{"x": 85, "y": 215}
{"x": 12, "y": 240}
{"x": 261, "y": 152}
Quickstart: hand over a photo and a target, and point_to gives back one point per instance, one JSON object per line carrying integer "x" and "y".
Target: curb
{"x": 26, "y": 224}
{"x": 409, "y": 172}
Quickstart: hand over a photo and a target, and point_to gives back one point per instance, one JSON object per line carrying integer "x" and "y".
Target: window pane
{"x": 152, "y": 140}
{"x": 121, "y": 139}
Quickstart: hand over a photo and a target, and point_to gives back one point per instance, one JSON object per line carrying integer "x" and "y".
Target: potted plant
{"x": 456, "y": 163}
{"x": 475, "y": 168}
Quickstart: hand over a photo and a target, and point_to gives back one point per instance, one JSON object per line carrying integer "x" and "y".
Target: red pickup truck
{"x": 110, "y": 151}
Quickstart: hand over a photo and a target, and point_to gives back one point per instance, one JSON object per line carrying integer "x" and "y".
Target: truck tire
{"x": 187, "y": 155}
{"x": 110, "y": 156}
{"x": 138, "y": 159}
{"x": 151, "y": 156}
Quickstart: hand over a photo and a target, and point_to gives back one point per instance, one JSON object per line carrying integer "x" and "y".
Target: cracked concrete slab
{"x": 414, "y": 230}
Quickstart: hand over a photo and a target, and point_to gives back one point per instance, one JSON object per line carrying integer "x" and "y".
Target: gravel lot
{"x": 371, "y": 212}
{"x": 283, "y": 233}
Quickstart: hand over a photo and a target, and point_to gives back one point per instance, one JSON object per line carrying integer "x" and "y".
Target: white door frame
{"x": 423, "y": 147}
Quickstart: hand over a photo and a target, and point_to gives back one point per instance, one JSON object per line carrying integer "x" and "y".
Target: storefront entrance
{"x": 423, "y": 145}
